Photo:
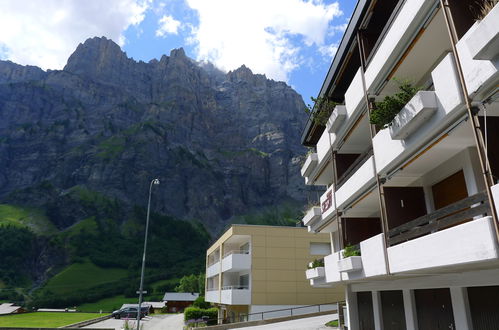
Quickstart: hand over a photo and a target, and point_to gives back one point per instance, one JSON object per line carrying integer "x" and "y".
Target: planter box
{"x": 336, "y": 119}
{"x": 483, "y": 43}
{"x": 414, "y": 114}
{"x": 310, "y": 164}
{"x": 316, "y": 272}
{"x": 350, "y": 264}
{"x": 312, "y": 216}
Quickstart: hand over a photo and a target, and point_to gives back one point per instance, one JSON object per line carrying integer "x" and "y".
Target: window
{"x": 321, "y": 249}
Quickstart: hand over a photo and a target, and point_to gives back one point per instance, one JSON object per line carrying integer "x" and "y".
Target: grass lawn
{"x": 45, "y": 319}
{"x": 81, "y": 276}
{"x": 333, "y": 323}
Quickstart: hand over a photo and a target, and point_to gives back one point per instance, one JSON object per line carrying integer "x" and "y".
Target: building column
{"x": 378, "y": 316}
{"x": 461, "y": 308}
{"x": 411, "y": 319}
{"x": 352, "y": 308}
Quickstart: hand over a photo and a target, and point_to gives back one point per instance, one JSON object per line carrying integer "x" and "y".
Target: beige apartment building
{"x": 253, "y": 269}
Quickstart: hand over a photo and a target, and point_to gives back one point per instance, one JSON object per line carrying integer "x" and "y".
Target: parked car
{"x": 129, "y": 313}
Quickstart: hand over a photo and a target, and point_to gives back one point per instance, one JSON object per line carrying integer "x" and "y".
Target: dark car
{"x": 129, "y": 313}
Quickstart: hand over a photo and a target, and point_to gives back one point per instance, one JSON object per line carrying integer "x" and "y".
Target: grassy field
{"x": 45, "y": 319}
{"x": 81, "y": 276}
{"x": 26, "y": 217}
{"x": 107, "y": 304}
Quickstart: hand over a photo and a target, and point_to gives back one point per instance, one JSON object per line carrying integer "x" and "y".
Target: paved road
{"x": 309, "y": 323}
{"x": 159, "y": 322}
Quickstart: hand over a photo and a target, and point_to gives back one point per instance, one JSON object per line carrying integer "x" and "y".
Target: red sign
{"x": 327, "y": 202}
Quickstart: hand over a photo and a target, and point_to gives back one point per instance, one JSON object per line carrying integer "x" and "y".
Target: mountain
{"x": 84, "y": 143}
{"x": 221, "y": 144}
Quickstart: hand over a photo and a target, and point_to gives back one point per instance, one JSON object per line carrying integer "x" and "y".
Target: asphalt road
{"x": 156, "y": 322}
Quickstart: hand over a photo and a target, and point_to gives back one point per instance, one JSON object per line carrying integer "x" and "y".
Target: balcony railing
{"x": 235, "y": 252}
{"x": 212, "y": 262}
{"x": 445, "y": 217}
{"x": 235, "y": 287}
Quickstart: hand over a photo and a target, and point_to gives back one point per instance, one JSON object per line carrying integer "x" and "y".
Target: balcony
{"x": 483, "y": 42}
{"x": 212, "y": 295}
{"x": 236, "y": 260}
{"x": 213, "y": 269}
{"x": 398, "y": 37}
{"x": 388, "y": 151}
{"x": 359, "y": 178}
{"x": 414, "y": 114}
{"x": 309, "y": 165}
{"x": 312, "y": 216}
{"x": 370, "y": 263}
{"x": 441, "y": 239}
{"x": 236, "y": 295}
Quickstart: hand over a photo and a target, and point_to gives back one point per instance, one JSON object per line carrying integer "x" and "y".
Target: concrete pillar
{"x": 378, "y": 316}
{"x": 352, "y": 310}
{"x": 461, "y": 308}
{"x": 411, "y": 319}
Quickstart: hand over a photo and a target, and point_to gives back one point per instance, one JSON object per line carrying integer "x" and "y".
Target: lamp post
{"x": 139, "y": 310}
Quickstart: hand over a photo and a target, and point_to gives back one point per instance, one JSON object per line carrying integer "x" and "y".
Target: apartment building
{"x": 412, "y": 208}
{"x": 253, "y": 269}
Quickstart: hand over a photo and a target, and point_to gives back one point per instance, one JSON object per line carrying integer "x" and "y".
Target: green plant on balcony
{"x": 316, "y": 263}
{"x": 324, "y": 108}
{"x": 484, "y": 7}
{"x": 384, "y": 111}
{"x": 351, "y": 251}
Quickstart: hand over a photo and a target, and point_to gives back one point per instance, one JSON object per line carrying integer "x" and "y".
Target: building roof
{"x": 180, "y": 296}
{"x": 8, "y": 308}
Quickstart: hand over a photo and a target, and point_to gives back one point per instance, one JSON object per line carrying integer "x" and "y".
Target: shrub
{"x": 351, "y": 251}
{"x": 325, "y": 108}
{"x": 316, "y": 263}
{"x": 384, "y": 111}
{"x": 195, "y": 313}
{"x": 201, "y": 303}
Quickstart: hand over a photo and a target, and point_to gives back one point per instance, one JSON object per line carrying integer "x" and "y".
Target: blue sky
{"x": 287, "y": 40}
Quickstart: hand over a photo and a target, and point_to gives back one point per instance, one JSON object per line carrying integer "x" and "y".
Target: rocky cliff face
{"x": 221, "y": 144}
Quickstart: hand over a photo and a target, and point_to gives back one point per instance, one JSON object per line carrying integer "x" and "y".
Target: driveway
{"x": 156, "y": 322}
{"x": 309, "y": 323}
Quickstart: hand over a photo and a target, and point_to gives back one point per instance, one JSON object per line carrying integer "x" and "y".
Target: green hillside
{"x": 26, "y": 217}
{"x": 82, "y": 276}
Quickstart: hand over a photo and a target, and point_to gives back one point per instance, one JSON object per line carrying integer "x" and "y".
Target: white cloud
{"x": 261, "y": 34}
{"x": 167, "y": 25}
{"x": 45, "y": 33}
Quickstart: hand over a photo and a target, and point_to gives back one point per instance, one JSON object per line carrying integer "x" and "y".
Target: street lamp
{"x": 139, "y": 311}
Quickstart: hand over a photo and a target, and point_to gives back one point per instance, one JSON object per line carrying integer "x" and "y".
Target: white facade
{"x": 415, "y": 216}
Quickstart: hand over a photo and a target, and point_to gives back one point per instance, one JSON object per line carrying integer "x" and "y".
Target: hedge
{"x": 195, "y": 313}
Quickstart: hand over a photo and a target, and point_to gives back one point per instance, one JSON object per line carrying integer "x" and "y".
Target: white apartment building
{"x": 417, "y": 200}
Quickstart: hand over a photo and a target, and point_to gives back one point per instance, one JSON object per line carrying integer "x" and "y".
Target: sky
{"x": 287, "y": 40}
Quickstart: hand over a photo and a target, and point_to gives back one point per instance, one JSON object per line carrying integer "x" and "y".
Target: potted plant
{"x": 315, "y": 269}
{"x": 385, "y": 111}
{"x": 352, "y": 261}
